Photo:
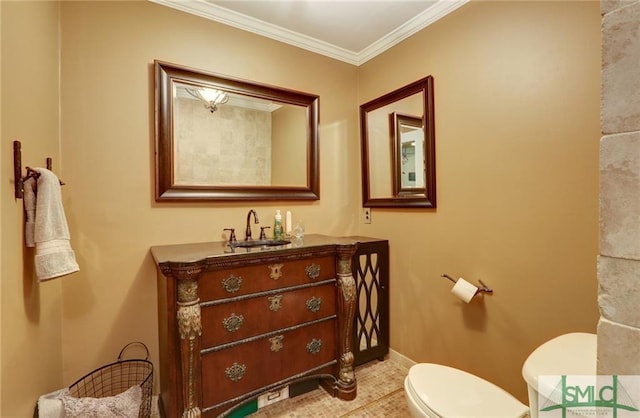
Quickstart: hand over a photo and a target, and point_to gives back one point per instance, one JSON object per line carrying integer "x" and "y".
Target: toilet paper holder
{"x": 482, "y": 289}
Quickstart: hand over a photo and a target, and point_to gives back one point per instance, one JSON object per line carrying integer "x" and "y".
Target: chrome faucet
{"x": 247, "y": 236}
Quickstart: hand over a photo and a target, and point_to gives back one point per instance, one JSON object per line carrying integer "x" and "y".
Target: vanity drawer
{"x": 239, "y": 281}
{"x": 240, "y": 369}
{"x": 234, "y": 321}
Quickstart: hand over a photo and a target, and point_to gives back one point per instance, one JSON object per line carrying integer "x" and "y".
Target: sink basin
{"x": 260, "y": 243}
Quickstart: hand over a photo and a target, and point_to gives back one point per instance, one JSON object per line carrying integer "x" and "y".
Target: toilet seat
{"x": 416, "y": 406}
{"x": 446, "y": 392}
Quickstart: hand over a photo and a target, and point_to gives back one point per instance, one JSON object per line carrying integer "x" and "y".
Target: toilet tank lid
{"x": 568, "y": 354}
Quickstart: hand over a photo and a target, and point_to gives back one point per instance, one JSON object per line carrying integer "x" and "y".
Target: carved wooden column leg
{"x": 190, "y": 330}
{"x": 346, "y": 383}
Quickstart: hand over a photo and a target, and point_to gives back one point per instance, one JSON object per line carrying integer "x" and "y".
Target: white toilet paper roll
{"x": 464, "y": 290}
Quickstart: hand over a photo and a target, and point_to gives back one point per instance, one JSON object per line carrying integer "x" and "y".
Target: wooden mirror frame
{"x": 166, "y": 74}
{"x": 396, "y": 122}
{"x": 424, "y": 198}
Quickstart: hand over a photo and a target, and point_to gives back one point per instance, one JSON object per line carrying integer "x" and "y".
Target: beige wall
{"x": 517, "y": 133}
{"x": 288, "y": 153}
{"x": 108, "y": 50}
{"x": 31, "y": 313}
{"x": 107, "y": 142}
{"x": 517, "y": 130}
{"x": 3, "y": 189}
{"x": 2, "y": 203}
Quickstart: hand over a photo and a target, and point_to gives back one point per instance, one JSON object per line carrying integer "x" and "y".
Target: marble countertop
{"x": 194, "y": 252}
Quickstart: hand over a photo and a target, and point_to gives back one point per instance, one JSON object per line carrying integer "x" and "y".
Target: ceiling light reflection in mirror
{"x": 210, "y": 97}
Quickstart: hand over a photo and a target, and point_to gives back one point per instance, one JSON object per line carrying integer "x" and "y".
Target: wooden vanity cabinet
{"x": 235, "y": 326}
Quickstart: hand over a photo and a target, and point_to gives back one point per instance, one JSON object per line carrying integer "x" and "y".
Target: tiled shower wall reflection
{"x": 619, "y": 260}
{"x": 231, "y": 146}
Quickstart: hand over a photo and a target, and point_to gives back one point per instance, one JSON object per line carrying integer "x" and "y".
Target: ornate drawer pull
{"x": 312, "y": 271}
{"x": 276, "y": 343}
{"x": 313, "y": 304}
{"x": 275, "y": 271}
{"x": 235, "y": 372}
{"x": 232, "y": 283}
{"x": 314, "y": 346}
{"x": 275, "y": 303}
{"x": 233, "y": 322}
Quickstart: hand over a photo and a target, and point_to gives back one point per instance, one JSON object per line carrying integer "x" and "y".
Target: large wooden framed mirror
{"x": 255, "y": 142}
{"x": 398, "y": 148}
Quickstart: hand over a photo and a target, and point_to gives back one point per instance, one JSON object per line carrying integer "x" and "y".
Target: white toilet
{"x": 437, "y": 391}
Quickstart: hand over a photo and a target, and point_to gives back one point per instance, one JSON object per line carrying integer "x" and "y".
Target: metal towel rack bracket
{"x": 17, "y": 170}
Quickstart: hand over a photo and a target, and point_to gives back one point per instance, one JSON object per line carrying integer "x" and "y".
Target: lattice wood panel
{"x": 370, "y": 266}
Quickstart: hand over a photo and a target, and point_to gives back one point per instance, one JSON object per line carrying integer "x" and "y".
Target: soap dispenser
{"x": 277, "y": 226}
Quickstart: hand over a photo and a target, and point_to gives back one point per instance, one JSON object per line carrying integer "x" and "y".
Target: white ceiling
{"x": 353, "y": 31}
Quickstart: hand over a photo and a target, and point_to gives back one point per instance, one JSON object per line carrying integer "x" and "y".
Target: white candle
{"x": 287, "y": 222}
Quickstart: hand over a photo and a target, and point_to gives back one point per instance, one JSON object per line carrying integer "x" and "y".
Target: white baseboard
{"x": 155, "y": 411}
{"x": 398, "y": 358}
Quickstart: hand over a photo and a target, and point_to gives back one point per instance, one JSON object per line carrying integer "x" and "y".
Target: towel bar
{"x": 17, "y": 170}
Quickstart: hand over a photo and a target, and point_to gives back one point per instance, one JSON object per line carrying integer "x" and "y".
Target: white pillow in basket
{"x": 123, "y": 405}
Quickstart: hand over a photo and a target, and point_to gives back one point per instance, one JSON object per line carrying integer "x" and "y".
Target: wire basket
{"x": 115, "y": 378}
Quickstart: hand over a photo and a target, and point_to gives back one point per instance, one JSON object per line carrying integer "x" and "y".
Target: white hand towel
{"x": 54, "y": 256}
{"x": 50, "y": 405}
{"x": 29, "y": 200}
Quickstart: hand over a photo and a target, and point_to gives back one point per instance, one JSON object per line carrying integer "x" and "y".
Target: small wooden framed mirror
{"x": 398, "y": 148}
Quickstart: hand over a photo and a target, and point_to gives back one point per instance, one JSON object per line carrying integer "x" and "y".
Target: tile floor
{"x": 380, "y": 394}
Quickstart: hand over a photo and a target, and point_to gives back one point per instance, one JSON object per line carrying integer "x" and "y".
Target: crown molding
{"x": 228, "y": 17}
{"x": 434, "y": 13}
